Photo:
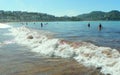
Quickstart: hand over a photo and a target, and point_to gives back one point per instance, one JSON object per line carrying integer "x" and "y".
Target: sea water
{"x": 70, "y": 40}
{"x": 109, "y": 36}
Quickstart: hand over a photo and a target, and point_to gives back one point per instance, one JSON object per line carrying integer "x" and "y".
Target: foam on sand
{"x": 6, "y": 42}
{"x": 105, "y": 59}
{"x": 4, "y": 25}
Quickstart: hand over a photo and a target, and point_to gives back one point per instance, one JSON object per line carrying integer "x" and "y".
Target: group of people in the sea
{"x": 41, "y": 24}
{"x": 99, "y": 26}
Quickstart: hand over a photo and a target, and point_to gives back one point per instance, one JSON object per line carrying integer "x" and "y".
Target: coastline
{"x": 105, "y": 58}
{"x": 58, "y": 66}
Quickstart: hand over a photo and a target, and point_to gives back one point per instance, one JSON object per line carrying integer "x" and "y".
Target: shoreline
{"x": 58, "y": 66}
{"x": 86, "y": 53}
{"x": 80, "y": 51}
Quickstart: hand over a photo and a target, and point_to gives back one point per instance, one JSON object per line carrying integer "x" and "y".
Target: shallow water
{"x": 16, "y": 59}
{"x": 79, "y": 31}
{"x": 12, "y": 55}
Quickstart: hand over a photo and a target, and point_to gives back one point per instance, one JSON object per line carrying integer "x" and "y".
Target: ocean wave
{"x": 103, "y": 58}
{"x": 4, "y": 26}
{"x": 6, "y": 42}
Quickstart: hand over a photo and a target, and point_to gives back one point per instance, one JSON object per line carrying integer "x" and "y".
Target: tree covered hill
{"x": 17, "y": 16}
{"x": 99, "y": 15}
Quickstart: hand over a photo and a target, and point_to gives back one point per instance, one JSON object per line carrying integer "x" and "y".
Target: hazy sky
{"x": 60, "y": 7}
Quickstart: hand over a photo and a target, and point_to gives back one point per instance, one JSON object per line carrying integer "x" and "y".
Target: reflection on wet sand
{"x": 53, "y": 66}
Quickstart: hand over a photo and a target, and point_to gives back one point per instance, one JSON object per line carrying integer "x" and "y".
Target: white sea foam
{"x": 86, "y": 53}
{"x": 6, "y": 42}
{"x": 4, "y": 26}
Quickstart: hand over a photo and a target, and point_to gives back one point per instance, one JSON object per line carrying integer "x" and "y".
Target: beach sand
{"x": 56, "y": 66}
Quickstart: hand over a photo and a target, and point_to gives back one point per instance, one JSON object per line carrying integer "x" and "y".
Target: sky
{"x": 60, "y": 7}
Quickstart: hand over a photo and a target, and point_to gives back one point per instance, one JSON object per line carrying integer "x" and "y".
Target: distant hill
{"x": 24, "y": 16}
{"x": 18, "y": 16}
{"x": 99, "y": 15}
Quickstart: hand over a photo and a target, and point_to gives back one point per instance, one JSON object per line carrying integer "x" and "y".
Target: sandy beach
{"x": 55, "y": 66}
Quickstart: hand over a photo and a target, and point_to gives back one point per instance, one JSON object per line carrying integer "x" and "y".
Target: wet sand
{"x": 55, "y": 66}
{"x": 17, "y": 60}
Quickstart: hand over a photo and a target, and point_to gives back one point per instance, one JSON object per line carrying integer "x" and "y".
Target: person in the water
{"x": 89, "y": 25}
{"x": 41, "y": 25}
{"x": 100, "y": 27}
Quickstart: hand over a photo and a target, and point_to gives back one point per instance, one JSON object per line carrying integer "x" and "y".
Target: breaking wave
{"x": 104, "y": 58}
{"x": 6, "y": 42}
{"x": 4, "y": 26}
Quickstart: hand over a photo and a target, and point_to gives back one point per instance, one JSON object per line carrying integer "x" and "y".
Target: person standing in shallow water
{"x": 89, "y": 25}
{"x": 100, "y": 27}
{"x": 41, "y": 25}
